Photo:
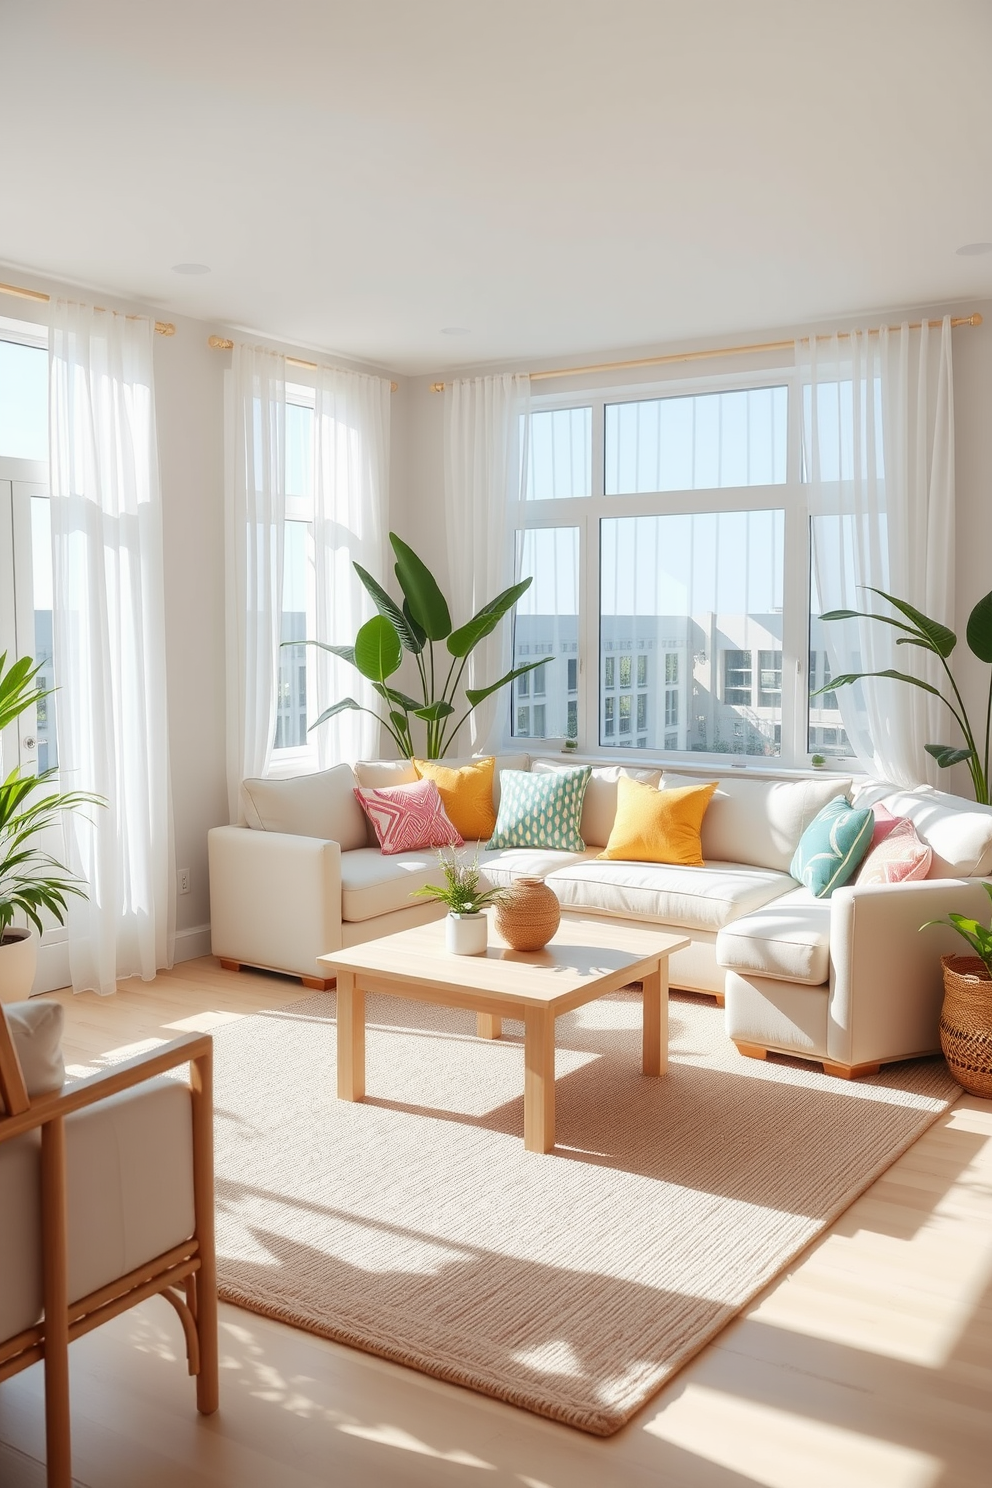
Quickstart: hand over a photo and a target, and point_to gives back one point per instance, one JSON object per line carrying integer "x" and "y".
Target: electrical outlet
{"x": 183, "y": 879}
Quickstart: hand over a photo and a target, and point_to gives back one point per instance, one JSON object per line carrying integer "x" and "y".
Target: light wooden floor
{"x": 869, "y": 1365}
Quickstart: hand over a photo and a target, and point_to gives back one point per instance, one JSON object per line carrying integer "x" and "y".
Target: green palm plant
{"x": 415, "y": 626}
{"x": 929, "y": 635}
{"x": 31, "y": 880}
{"x": 977, "y": 935}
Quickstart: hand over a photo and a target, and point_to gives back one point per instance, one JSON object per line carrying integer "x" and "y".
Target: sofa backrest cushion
{"x": 760, "y": 821}
{"x": 599, "y": 809}
{"x": 958, "y": 831}
{"x": 36, "y": 1033}
{"x": 319, "y": 805}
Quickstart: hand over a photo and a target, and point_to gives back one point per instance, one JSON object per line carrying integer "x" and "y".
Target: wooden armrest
{"x": 192, "y": 1048}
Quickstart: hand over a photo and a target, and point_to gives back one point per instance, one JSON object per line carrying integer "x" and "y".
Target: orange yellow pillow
{"x": 658, "y": 826}
{"x": 466, "y": 793}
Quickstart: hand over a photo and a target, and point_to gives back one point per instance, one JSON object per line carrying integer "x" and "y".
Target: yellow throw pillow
{"x": 658, "y": 826}
{"x": 466, "y": 794}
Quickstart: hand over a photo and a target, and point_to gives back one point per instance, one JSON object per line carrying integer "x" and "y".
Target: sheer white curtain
{"x": 109, "y": 642}
{"x": 879, "y": 455}
{"x": 351, "y": 494}
{"x": 485, "y": 421}
{"x": 256, "y": 517}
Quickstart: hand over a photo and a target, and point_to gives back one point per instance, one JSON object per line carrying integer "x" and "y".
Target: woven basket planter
{"x": 966, "y": 1023}
{"x": 528, "y": 914}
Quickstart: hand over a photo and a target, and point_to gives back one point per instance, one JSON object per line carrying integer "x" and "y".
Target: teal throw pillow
{"x": 541, "y": 810}
{"x": 832, "y": 846}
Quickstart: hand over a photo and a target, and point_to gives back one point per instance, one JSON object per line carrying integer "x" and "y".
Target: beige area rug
{"x": 415, "y": 1226}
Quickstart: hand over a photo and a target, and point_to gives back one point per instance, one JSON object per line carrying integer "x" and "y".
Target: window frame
{"x": 587, "y": 514}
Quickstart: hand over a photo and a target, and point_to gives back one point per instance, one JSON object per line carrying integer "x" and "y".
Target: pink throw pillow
{"x": 900, "y": 857}
{"x": 408, "y": 817}
{"x": 885, "y": 822}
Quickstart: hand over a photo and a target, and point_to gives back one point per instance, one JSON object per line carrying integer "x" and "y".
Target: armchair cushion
{"x": 36, "y": 1030}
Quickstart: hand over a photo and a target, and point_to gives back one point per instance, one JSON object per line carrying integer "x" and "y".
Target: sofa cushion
{"x": 959, "y": 831}
{"x": 36, "y": 1033}
{"x": 373, "y": 884}
{"x": 319, "y": 805}
{"x": 408, "y": 818}
{"x": 900, "y": 857}
{"x": 502, "y": 866}
{"x": 788, "y": 939}
{"x": 697, "y": 898}
{"x": 658, "y": 826}
{"x": 599, "y": 805}
{"x": 541, "y": 810}
{"x": 467, "y": 794}
{"x": 760, "y": 821}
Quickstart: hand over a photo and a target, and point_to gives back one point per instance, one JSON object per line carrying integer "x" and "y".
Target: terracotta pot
{"x": 18, "y": 962}
{"x": 528, "y": 914}
{"x": 466, "y": 935}
{"x": 966, "y": 1023}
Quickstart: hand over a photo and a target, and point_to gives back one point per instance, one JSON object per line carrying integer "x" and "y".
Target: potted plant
{"x": 31, "y": 880}
{"x": 414, "y": 626}
{"x": 818, "y": 761}
{"x": 466, "y": 929}
{"x": 966, "y": 1016}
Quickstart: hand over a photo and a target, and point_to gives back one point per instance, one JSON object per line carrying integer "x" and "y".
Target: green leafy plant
{"x": 415, "y": 626}
{"x": 31, "y": 880}
{"x": 977, "y": 936}
{"x": 460, "y": 890}
{"x": 929, "y": 635}
{"x": 818, "y": 761}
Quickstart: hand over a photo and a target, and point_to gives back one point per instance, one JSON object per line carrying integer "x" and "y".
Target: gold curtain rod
{"x": 164, "y": 327}
{"x": 699, "y": 356}
{"x": 224, "y": 343}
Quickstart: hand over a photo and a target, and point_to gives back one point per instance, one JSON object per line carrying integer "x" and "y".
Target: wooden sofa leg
{"x": 229, "y": 965}
{"x": 751, "y": 1051}
{"x": 849, "y": 1071}
{"x": 720, "y": 999}
{"x": 318, "y": 984}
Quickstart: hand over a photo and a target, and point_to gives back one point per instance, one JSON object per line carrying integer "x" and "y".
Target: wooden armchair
{"x": 106, "y": 1198}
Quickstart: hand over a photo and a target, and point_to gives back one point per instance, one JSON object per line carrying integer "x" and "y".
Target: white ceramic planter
{"x": 18, "y": 963}
{"x": 466, "y": 935}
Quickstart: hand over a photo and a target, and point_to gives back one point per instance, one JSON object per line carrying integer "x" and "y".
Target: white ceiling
{"x": 557, "y": 176}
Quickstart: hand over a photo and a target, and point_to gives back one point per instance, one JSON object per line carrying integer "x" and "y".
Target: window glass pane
{"x": 23, "y": 401}
{"x": 573, "y": 674}
{"x": 41, "y": 593}
{"x": 540, "y": 730}
{"x": 545, "y": 623}
{"x": 845, "y": 435}
{"x": 299, "y": 451}
{"x": 556, "y": 452}
{"x": 700, "y": 596}
{"x": 703, "y": 440}
{"x": 826, "y": 734}
{"x": 609, "y": 673}
{"x": 291, "y": 713}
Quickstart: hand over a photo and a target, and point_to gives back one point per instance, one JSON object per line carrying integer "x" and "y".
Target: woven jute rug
{"x": 415, "y": 1225}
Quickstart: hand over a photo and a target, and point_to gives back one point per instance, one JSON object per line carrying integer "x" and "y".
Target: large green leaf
{"x": 476, "y": 695}
{"x": 467, "y": 637}
{"x": 393, "y": 695}
{"x": 434, "y": 711}
{"x": 846, "y": 678}
{"x": 979, "y": 632}
{"x": 346, "y": 653}
{"x": 391, "y": 611}
{"x": 946, "y": 755}
{"x": 428, "y": 605}
{"x": 865, "y": 615}
{"x": 341, "y": 707}
{"x": 941, "y": 637}
{"x": 378, "y": 652}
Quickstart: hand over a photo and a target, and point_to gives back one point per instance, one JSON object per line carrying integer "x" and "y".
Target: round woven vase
{"x": 528, "y": 914}
{"x": 966, "y": 1023}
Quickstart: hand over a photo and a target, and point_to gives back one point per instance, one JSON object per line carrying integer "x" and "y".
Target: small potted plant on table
{"x": 466, "y": 929}
{"x": 966, "y": 1016}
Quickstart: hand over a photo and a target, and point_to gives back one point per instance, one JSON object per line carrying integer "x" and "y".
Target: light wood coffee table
{"x": 587, "y": 958}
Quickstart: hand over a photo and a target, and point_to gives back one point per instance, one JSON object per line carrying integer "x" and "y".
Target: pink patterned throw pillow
{"x": 898, "y": 858}
{"x": 885, "y": 823}
{"x": 408, "y": 817}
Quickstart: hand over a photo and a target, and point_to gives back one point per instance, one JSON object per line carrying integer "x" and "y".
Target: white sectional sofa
{"x": 847, "y": 981}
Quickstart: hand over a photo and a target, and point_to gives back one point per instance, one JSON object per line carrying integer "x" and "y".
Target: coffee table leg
{"x": 654, "y": 1052}
{"x": 351, "y": 1038}
{"x": 539, "y": 1079}
{"x": 488, "y": 1025}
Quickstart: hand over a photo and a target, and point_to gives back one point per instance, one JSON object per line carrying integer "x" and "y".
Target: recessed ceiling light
{"x": 973, "y": 250}
{"x": 455, "y": 331}
{"x": 191, "y": 268}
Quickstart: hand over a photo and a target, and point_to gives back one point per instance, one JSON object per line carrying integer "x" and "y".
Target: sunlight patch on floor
{"x": 780, "y": 1449}
{"x": 203, "y": 1022}
{"x": 395, "y": 1436}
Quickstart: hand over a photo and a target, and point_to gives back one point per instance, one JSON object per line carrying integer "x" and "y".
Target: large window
{"x": 668, "y": 538}
{"x": 298, "y": 588}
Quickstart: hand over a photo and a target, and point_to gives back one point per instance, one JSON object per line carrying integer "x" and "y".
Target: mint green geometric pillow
{"x": 832, "y": 847}
{"x": 541, "y": 810}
